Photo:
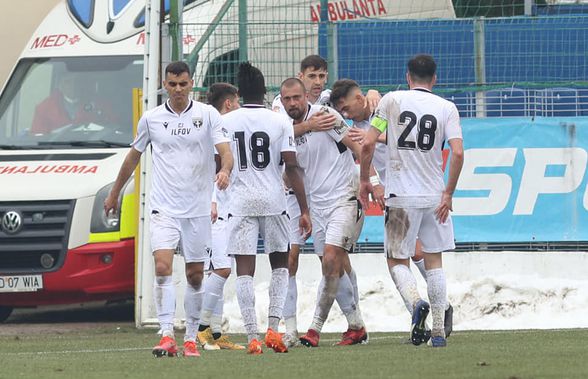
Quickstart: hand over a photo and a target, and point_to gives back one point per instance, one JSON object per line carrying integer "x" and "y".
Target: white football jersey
{"x": 380, "y": 154}
{"x": 324, "y": 99}
{"x": 329, "y": 167}
{"x": 417, "y": 123}
{"x": 259, "y": 136}
{"x": 183, "y": 157}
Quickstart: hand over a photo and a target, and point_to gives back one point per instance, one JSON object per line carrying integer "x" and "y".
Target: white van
{"x": 65, "y": 126}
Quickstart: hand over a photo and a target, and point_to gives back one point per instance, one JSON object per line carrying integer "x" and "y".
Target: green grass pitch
{"x": 124, "y": 352}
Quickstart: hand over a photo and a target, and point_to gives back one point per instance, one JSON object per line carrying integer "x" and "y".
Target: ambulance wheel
{"x": 5, "y": 313}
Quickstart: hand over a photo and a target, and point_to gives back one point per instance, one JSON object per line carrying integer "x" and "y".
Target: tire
{"x": 5, "y": 312}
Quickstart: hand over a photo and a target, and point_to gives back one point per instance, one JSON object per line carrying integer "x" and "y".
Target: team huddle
{"x": 287, "y": 174}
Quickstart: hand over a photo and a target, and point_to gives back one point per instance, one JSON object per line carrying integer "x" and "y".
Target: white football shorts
{"x": 219, "y": 258}
{"x": 404, "y": 225}
{"x": 243, "y": 233}
{"x": 294, "y": 228}
{"x": 339, "y": 225}
{"x": 193, "y": 235}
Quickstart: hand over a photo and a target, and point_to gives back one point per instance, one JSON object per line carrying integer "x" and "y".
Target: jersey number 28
{"x": 426, "y": 131}
{"x": 258, "y": 145}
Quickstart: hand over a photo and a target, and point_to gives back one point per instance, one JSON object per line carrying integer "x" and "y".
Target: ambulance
{"x": 66, "y": 121}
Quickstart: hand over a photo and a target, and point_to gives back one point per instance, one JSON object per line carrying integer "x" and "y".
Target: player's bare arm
{"x": 213, "y": 212}
{"x": 226, "y": 156}
{"x": 356, "y": 135}
{"x": 318, "y": 122}
{"x": 372, "y": 98}
{"x": 455, "y": 165}
{"x": 365, "y": 164}
{"x": 294, "y": 174}
{"x": 126, "y": 170}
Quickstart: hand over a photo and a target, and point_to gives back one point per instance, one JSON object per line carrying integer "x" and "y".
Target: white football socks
{"x": 406, "y": 284}
{"x": 278, "y": 289}
{"x": 246, "y": 298}
{"x": 421, "y": 266}
{"x": 290, "y": 305}
{"x": 353, "y": 279}
{"x": 164, "y": 297}
{"x": 437, "y": 290}
{"x": 213, "y": 292}
{"x": 327, "y": 294}
{"x": 216, "y": 320}
{"x": 346, "y": 300}
{"x": 192, "y": 305}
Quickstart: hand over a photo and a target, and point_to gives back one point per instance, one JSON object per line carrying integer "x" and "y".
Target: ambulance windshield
{"x": 73, "y": 101}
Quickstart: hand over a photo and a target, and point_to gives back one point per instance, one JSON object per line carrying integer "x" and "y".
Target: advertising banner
{"x": 523, "y": 180}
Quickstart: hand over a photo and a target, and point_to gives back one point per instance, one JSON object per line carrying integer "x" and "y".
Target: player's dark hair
{"x": 291, "y": 82}
{"x": 313, "y": 61}
{"x": 422, "y": 68}
{"x": 218, "y": 93}
{"x": 177, "y": 68}
{"x": 251, "y": 83}
{"x": 341, "y": 89}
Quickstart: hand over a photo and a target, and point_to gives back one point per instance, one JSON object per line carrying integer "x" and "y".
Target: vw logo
{"x": 12, "y": 222}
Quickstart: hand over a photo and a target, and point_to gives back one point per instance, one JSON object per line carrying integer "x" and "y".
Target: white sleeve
{"x": 382, "y": 108}
{"x": 341, "y": 128}
{"x": 143, "y": 138}
{"x": 288, "y": 141}
{"x": 453, "y": 127}
{"x": 278, "y": 107}
{"x": 220, "y": 133}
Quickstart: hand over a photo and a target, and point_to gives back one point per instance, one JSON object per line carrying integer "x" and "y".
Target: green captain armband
{"x": 380, "y": 124}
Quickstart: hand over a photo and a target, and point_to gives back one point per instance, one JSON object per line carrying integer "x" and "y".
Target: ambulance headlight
{"x": 101, "y": 223}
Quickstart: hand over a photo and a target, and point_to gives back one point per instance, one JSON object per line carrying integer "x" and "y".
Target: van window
{"x": 75, "y": 101}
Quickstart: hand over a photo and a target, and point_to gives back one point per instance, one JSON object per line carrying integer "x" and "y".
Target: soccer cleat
{"x": 426, "y": 339}
{"x": 353, "y": 337}
{"x": 274, "y": 341}
{"x": 254, "y": 347}
{"x": 418, "y": 328}
{"x": 290, "y": 339}
{"x": 310, "y": 339}
{"x": 190, "y": 349}
{"x": 206, "y": 340}
{"x": 437, "y": 341}
{"x": 448, "y": 321}
{"x": 225, "y": 344}
{"x": 167, "y": 346}
{"x": 427, "y": 335}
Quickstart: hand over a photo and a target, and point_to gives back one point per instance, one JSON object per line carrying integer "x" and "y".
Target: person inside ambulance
{"x": 70, "y": 103}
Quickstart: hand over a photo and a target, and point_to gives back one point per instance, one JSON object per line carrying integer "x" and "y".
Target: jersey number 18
{"x": 258, "y": 145}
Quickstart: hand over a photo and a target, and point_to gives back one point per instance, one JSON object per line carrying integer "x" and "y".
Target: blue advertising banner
{"x": 523, "y": 180}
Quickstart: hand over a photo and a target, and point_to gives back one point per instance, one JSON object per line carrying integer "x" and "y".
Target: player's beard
{"x": 295, "y": 113}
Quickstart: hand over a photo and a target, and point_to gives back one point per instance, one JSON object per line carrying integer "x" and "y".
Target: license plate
{"x": 21, "y": 283}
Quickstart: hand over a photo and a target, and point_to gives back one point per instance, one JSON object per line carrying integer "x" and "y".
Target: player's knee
{"x": 163, "y": 269}
{"x": 223, "y": 272}
{"x": 433, "y": 261}
{"x": 194, "y": 277}
{"x": 331, "y": 265}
